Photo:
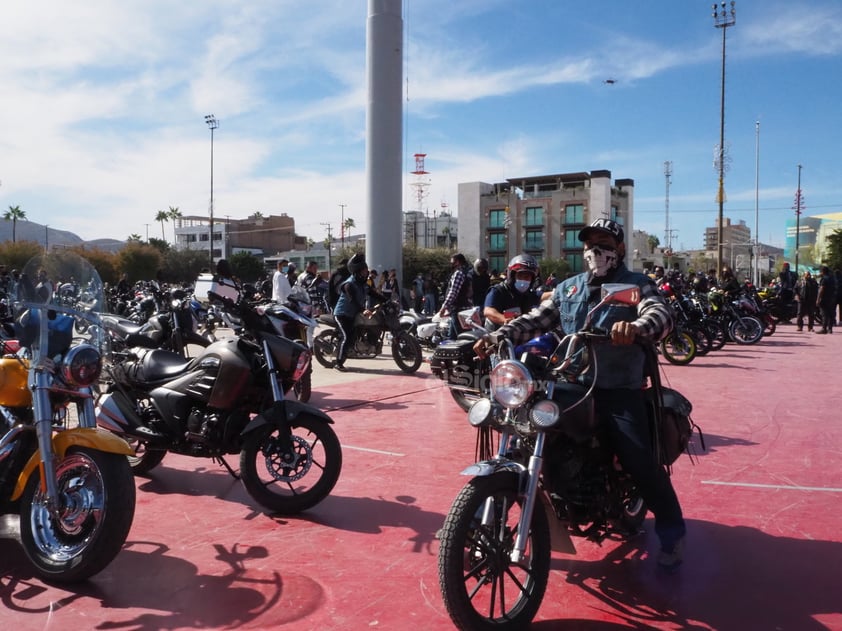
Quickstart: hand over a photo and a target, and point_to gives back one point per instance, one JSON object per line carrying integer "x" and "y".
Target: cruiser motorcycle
{"x": 495, "y": 545}
{"x": 230, "y": 399}
{"x": 69, "y": 481}
{"x": 369, "y": 337}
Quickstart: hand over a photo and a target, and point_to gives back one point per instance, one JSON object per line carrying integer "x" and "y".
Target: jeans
{"x": 623, "y": 415}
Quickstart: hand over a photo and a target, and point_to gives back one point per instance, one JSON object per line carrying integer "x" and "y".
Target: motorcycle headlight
{"x": 511, "y": 383}
{"x": 544, "y": 414}
{"x": 81, "y": 366}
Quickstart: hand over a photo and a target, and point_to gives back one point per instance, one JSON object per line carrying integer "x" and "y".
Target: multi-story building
{"x": 257, "y": 234}
{"x": 540, "y": 215}
{"x": 424, "y": 231}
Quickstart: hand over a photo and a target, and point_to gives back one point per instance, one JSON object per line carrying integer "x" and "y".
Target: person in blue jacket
{"x": 354, "y": 298}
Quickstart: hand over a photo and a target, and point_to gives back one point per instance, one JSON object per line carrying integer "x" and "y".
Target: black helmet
{"x": 521, "y": 263}
{"x": 357, "y": 263}
{"x": 480, "y": 266}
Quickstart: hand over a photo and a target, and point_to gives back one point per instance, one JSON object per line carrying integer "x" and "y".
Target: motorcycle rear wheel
{"x": 746, "y": 330}
{"x": 481, "y": 587}
{"x": 407, "y": 353}
{"x": 325, "y": 347}
{"x": 145, "y": 459}
{"x": 97, "y": 502}
{"x": 290, "y": 479}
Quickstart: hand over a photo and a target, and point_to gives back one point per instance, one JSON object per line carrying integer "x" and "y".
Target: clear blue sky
{"x": 103, "y": 106}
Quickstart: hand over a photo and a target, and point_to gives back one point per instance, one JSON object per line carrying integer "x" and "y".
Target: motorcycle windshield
{"x": 57, "y": 300}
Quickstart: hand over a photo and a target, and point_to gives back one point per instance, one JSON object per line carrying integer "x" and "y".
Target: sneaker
{"x": 670, "y": 560}
{"x": 822, "y": 332}
{"x": 340, "y": 368}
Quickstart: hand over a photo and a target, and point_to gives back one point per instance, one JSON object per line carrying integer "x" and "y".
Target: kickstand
{"x": 233, "y": 473}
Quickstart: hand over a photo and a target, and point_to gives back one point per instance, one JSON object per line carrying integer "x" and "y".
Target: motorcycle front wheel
{"x": 481, "y": 586}
{"x": 96, "y": 508}
{"x": 406, "y": 351}
{"x": 745, "y": 330}
{"x": 325, "y": 347}
{"x": 145, "y": 459}
{"x": 679, "y": 348}
{"x": 289, "y": 474}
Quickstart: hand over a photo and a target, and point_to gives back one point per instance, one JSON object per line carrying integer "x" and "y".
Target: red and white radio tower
{"x": 421, "y": 183}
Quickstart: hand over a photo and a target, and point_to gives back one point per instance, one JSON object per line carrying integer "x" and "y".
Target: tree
{"x": 16, "y": 255}
{"x": 162, "y": 216}
{"x": 173, "y": 213}
{"x": 14, "y": 213}
{"x": 653, "y": 242}
{"x": 134, "y": 237}
{"x": 349, "y": 223}
{"x": 140, "y": 261}
{"x": 833, "y": 258}
{"x": 247, "y": 267}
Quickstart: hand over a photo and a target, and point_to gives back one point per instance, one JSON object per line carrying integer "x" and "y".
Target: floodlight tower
{"x": 421, "y": 186}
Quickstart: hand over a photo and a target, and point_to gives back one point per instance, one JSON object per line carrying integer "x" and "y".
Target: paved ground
{"x": 764, "y": 506}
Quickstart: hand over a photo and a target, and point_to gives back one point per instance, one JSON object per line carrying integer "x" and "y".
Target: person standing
{"x": 806, "y": 292}
{"x": 458, "y": 293}
{"x": 827, "y": 299}
{"x": 619, "y": 397}
{"x": 481, "y": 282}
{"x": 786, "y": 283}
{"x": 418, "y": 293}
{"x": 280, "y": 284}
{"x": 338, "y": 277}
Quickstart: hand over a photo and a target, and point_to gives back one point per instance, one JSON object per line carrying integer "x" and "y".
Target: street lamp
{"x": 722, "y": 18}
{"x": 213, "y": 124}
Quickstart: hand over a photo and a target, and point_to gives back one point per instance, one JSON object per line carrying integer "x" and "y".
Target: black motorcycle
{"x": 550, "y": 464}
{"x": 229, "y": 399}
{"x": 370, "y": 334}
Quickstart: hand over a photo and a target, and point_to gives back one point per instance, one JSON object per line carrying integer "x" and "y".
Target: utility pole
{"x": 213, "y": 124}
{"x": 342, "y": 224}
{"x": 667, "y": 231}
{"x": 756, "y": 251}
{"x": 329, "y": 242}
{"x": 799, "y": 200}
{"x": 722, "y": 18}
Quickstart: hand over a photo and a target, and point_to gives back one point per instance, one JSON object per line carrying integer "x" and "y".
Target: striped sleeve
{"x": 654, "y": 317}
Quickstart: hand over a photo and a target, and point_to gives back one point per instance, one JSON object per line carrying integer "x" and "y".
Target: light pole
{"x": 722, "y": 18}
{"x": 342, "y": 224}
{"x": 798, "y": 202}
{"x": 756, "y": 277}
{"x": 213, "y": 124}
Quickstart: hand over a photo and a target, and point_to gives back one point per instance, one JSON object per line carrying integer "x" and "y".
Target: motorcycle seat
{"x": 327, "y": 318}
{"x": 122, "y": 325}
{"x": 159, "y": 364}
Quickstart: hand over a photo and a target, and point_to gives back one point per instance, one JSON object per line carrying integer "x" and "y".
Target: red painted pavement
{"x": 764, "y": 508}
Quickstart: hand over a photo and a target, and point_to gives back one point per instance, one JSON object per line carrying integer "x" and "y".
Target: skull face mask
{"x": 601, "y": 259}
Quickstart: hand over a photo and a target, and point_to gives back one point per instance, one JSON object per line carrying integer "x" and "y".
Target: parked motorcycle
{"x": 69, "y": 481}
{"x": 455, "y": 361}
{"x": 494, "y": 557}
{"x": 430, "y": 331}
{"x": 369, "y": 337}
{"x": 229, "y": 399}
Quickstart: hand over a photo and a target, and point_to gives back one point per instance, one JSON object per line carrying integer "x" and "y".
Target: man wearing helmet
{"x": 514, "y": 296}
{"x": 619, "y": 397}
{"x": 353, "y": 298}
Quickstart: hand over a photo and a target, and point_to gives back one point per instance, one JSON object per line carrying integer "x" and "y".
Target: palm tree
{"x": 349, "y": 223}
{"x": 173, "y": 213}
{"x": 134, "y": 237}
{"x": 162, "y": 216}
{"x": 14, "y": 213}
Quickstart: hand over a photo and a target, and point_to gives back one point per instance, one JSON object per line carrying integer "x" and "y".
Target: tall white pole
{"x": 384, "y": 139}
{"x": 757, "y": 204}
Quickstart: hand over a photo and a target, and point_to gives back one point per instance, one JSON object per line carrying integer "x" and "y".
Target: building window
{"x": 574, "y": 213}
{"x": 497, "y": 218}
{"x": 571, "y": 239}
{"x": 615, "y": 215}
{"x": 203, "y": 237}
{"x": 497, "y": 241}
{"x": 575, "y": 262}
{"x": 497, "y": 263}
{"x": 534, "y": 216}
{"x": 533, "y": 240}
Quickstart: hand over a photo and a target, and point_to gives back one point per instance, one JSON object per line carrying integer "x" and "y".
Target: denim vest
{"x": 618, "y": 366}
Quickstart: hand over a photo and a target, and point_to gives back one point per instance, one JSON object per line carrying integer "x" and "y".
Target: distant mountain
{"x": 32, "y": 231}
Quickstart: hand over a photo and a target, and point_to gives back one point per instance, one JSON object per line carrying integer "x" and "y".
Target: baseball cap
{"x": 606, "y": 226}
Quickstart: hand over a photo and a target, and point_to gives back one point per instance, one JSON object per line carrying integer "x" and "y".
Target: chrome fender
{"x": 92, "y": 437}
{"x": 490, "y": 467}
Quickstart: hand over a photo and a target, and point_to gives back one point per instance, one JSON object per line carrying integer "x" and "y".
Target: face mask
{"x": 284, "y": 270}
{"x": 522, "y": 285}
{"x": 600, "y": 260}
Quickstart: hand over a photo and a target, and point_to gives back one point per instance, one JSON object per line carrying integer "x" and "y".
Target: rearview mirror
{"x": 621, "y": 293}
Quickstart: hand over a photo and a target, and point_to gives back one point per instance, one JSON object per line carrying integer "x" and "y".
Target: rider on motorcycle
{"x": 513, "y": 297}
{"x": 619, "y": 397}
{"x": 355, "y": 296}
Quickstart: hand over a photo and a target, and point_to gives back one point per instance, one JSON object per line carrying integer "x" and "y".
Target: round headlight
{"x": 81, "y": 366}
{"x": 511, "y": 383}
{"x": 479, "y": 413}
{"x": 544, "y": 414}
